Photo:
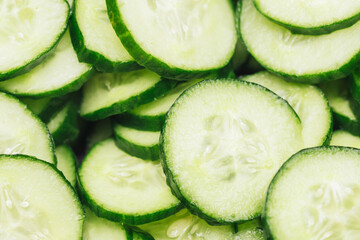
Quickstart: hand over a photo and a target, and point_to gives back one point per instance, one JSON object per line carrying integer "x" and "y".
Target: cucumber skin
{"x": 341, "y": 72}
{"x": 131, "y": 220}
{"x": 325, "y": 29}
{"x": 68, "y": 184}
{"x": 139, "y": 122}
{"x": 347, "y": 124}
{"x": 100, "y": 62}
{"x": 147, "y": 60}
{"x": 38, "y": 59}
{"x": 143, "y": 152}
{"x": 355, "y": 84}
{"x": 119, "y": 107}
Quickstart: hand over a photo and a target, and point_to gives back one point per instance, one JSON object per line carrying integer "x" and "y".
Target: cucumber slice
{"x": 355, "y": 84}
{"x": 199, "y": 44}
{"x": 151, "y": 116}
{"x": 300, "y": 58}
{"x": 311, "y": 17}
{"x": 36, "y": 201}
{"x": 251, "y": 230}
{"x": 67, "y": 163}
{"x": 308, "y": 101}
{"x": 337, "y": 92}
{"x": 29, "y": 30}
{"x": 141, "y": 144}
{"x": 223, "y": 140}
{"x": 63, "y": 125}
{"x": 59, "y": 74}
{"x": 186, "y": 226}
{"x": 110, "y": 94}
{"x": 345, "y": 139}
{"x": 22, "y": 132}
{"x": 95, "y": 41}
{"x": 96, "y": 228}
{"x": 324, "y": 205}
{"x": 123, "y": 188}
{"x": 240, "y": 57}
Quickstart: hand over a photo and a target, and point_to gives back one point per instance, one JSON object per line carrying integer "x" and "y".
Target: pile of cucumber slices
{"x": 179, "y": 120}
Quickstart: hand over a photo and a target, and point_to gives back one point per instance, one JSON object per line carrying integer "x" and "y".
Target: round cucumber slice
{"x": 29, "y": 30}
{"x": 22, "y": 132}
{"x": 36, "y": 201}
{"x": 89, "y": 22}
{"x": 311, "y": 17}
{"x": 345, "y": 139}
{"x": 176, "y": 39}
{"x": 300, "y": 58}
{"x": 308, "y": 101}
{"x": 304, "y": 203}
{"x": 222, "y": 142}
{"x": 60, "y": 73}
{"x": 123, "y": 188}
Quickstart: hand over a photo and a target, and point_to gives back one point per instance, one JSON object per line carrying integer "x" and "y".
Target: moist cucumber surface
{"x": 251, "y": 230}
{"x": 324, "y": 205}
{"x": 344, "y": 138}
{"x": 36, "y": 201}
{"x": 94, "y": 39}
{"x": 96, "y": 228}
{"x": 29, "y": 30}
{"x": 107, "y": 94}
{"x": 308, "y": 101}
{"x": 22, "y": 132}
{"x": 301, "y": 58}
{"x": 311, "y": 17}
{"x": 67, "y": 163}
{"x": 185, "y": 226}
{"x": 223, "y": 140}
{"x": 59, "y": 74}
{"x": 200, "y": 35}
{"x": 123, "y": 188}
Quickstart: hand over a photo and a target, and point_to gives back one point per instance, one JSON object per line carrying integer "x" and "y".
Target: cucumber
{"x": 240, "y": 57}
{"x": 299, "y": 58}
{"x": 344, "y": 138}
{"x": 141, "y": 144}
{"x": 341, "y": 103}
{"x": 190, "y": 30}
{"x": 324, "y": 205}
{"x": 184, "y": 225}
{"x": 355, "y": 84}
{"x": 123, "y": 188}
{"x": 29, "y": 31}
{"x": 308, "y": 101}
{"x": 36, "y": 201}
{"x": 251, "y": 230}
{"x": 60, "y": 73}
{"x": 67, "y": 163}
{"x": 95, "y": 41}
{"x": 63, "y": 125}
{"x": 151, "y": 116}
{"x": 107, "y": 94}
{"x": 222, "y": 142}
{"x": 96, "y": 228}
{"x": 22, "y": 132}
{"x": 101, "y": 130}
{"x": 311, "y": 17}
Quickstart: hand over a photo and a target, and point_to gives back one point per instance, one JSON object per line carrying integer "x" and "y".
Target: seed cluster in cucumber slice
{"x": 223, "y": 140}
{"x": 324, "y": 205}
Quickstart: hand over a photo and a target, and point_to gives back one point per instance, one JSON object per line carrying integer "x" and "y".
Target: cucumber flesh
{"x": 325, "y": 205}
{"x": 223, "y": 140}
{"x": 29, "y": 30}
{"x": 67, "y": 163}
{"x": 123, "y": 188}
{"x": 22, "y": 132}
{"x": 36, "y": 201}
{"x": 59, "y": 74}
{"x": 186, "y": 226}
{"x": 308, "y": 101}
{"x": 345, "y": 139}
{"x": 198, "y": 42}
{"x": 251, "y": 230}
{"x": 311, "y": 17}
{"x": 302, "y": 58}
